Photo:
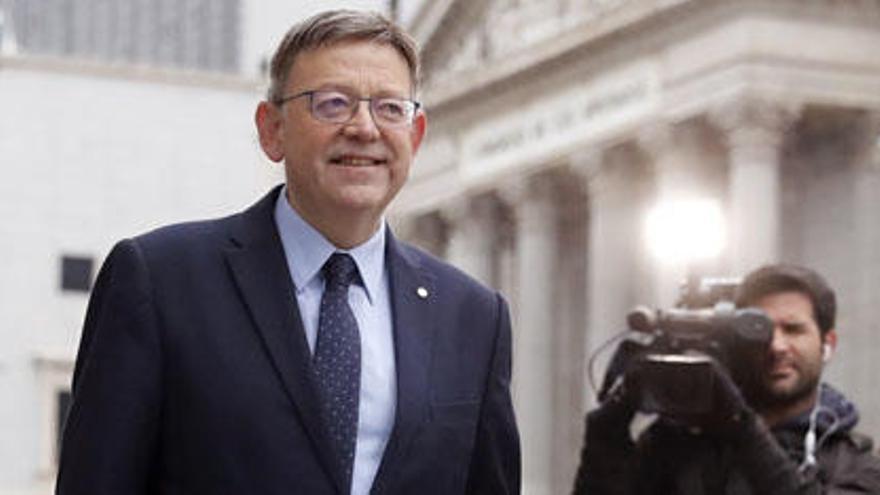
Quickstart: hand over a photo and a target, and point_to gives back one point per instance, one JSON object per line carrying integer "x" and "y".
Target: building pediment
{"x": 468, "y": 45}
{"x": 462, "y": 36}
{"x": 474, "y": 45}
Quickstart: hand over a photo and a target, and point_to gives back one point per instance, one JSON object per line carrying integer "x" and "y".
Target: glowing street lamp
{"x": 683, "y": 231}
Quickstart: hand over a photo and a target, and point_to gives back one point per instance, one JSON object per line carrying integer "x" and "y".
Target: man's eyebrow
{"x": 793, "y": 323}
{"x": 329, "y": 86}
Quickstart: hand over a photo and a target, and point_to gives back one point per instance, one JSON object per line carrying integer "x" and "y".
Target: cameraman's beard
{"x": 765, "y": 397}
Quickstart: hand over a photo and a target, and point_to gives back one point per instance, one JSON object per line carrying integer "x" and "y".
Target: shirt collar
{"x": 306, "y": 250}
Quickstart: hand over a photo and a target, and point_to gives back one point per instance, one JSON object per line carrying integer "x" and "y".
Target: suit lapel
{"x": 412, "y": 295}
{"x": 260, "y": 270}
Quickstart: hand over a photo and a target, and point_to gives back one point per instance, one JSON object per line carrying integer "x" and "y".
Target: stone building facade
{"x": 190, "y": 34}
{"x": 554, "y": 125}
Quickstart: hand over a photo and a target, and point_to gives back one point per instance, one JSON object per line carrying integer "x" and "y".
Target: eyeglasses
{"x": 337, "y": 107}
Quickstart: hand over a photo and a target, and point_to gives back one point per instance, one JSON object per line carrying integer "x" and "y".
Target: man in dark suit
{"x": 298, "y": 347}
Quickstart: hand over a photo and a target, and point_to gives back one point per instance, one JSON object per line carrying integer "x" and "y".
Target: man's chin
{"x": 782, "y": 392}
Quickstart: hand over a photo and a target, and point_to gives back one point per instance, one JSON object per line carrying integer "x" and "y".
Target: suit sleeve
{"x": 110, "y": 436}
{"x": 495, "y": 466}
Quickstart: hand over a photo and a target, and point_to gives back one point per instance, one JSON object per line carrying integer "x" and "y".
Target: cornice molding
{"x": 428, "y": 20}
{"x": 595, "y": 36}
{"x": 85, "y": 68}
{"x": 627, "y": 17}
{"x": 750, "y": 121}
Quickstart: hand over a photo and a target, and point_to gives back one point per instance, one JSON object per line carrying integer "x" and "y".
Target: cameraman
{"x": 784, "y": 433}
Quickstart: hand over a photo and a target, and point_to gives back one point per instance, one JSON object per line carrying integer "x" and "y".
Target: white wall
{"x": 86, "y": 160}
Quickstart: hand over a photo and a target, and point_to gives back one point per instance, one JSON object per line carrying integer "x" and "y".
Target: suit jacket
{"x": 194, "y": 376}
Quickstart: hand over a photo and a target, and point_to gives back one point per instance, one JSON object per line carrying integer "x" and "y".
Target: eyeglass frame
{"x": 354, "y": 109}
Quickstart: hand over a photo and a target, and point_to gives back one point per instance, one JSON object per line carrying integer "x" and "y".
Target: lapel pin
{"x": 422, "y": 292}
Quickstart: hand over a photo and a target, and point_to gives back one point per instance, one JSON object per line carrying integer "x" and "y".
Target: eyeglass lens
{"x": 337, "y": 107}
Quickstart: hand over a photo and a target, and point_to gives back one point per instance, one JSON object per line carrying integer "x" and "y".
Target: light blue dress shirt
{"x": 306, "y": 250}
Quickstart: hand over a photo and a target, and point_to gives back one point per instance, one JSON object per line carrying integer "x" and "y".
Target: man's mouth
{"x": 357, "y": 161}
{"x": 781, "y": 370}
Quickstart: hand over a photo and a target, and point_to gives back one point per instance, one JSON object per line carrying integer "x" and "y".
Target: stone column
{"x": 616, "y": 277}
{"x": 857, "y": 365}
{"x": 867, "y": 206}
{"x": 506, "y": 276}
{"x": 472, "y": 233}
{"x": 427, "y": 230}
{"x": 535, "y": 240}
{"x": 754, "y": 131}
{"x": 866, "y": 135}
{"x": 570, "y": 324}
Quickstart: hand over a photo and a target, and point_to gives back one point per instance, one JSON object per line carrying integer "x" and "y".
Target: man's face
{"x": 794, "y": 362}
{"x": 337, "y": 171}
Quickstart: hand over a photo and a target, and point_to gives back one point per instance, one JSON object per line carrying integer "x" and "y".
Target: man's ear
{"x": 268, "y": 120}
{"x": 829, "y": 344}
{"x": 418, "y": 129}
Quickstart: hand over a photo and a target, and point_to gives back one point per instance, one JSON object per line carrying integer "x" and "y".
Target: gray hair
{"x": 336, "y": 26}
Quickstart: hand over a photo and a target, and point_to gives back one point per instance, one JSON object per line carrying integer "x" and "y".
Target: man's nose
{"x": 777, "y": 340}
{"x": 362, "y": 126}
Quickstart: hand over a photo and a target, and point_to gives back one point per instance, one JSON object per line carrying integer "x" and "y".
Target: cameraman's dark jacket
{"x": 673, "y": 461}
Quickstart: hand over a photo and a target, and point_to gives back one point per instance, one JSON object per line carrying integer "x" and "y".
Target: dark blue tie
{"x": 337, "y": 360}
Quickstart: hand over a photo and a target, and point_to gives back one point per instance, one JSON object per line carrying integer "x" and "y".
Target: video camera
{"x": 673, "y": 357}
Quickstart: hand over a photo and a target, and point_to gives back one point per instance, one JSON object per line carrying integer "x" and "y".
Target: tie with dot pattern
{"x": 337, "y": 359}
